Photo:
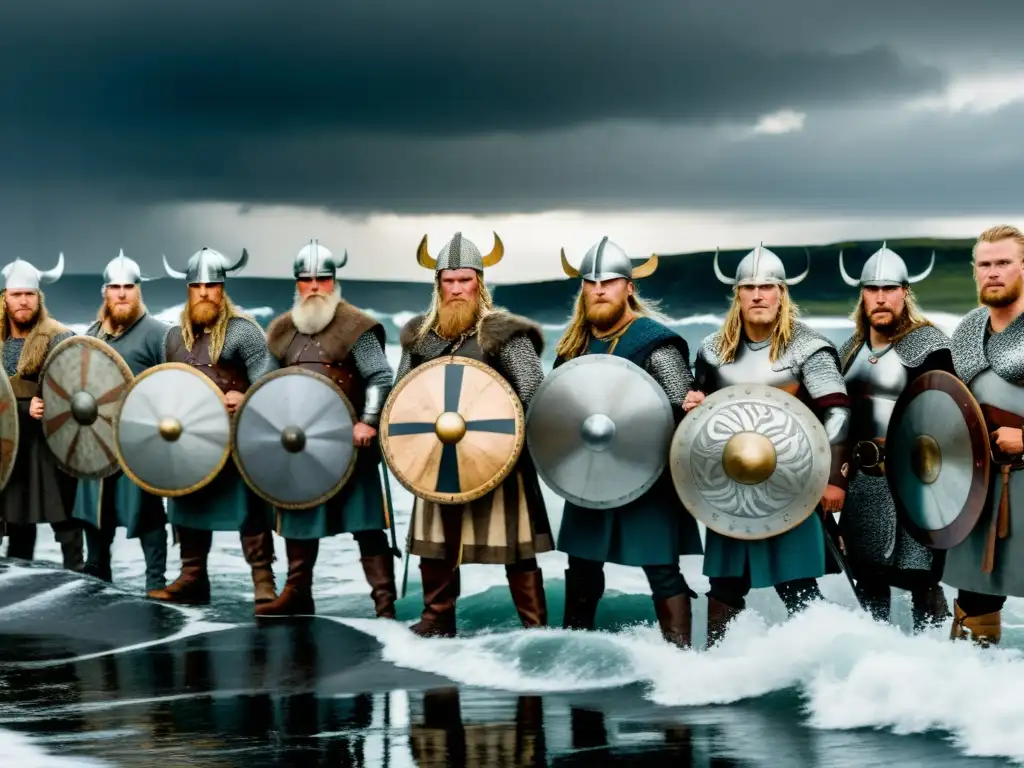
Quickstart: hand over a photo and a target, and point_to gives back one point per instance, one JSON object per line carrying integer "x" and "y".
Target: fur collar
{"x": 37, "y": 344}
{"x": 494, "y": 331}
{"x": 336, "y": 340}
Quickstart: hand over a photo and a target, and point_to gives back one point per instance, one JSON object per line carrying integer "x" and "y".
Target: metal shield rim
{"x": 240, "y": 464}
{"x": 12, "y": 403}
{"x": 168, "y": 492}
{"x": 501, "y": 476}
{"x": 115, "y": 357}
{"x": 954, "y": 533}
{"x": 602, "y": 359}
{"x": 711, "y": 402}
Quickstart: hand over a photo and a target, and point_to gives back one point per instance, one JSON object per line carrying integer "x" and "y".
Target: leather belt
{"x": 869, "y": 456}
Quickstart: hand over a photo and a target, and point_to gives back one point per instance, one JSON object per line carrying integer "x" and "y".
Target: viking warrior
{"x": 652, "y": 531}
{"x": 762, "y": 342}
{"x": 231, "y": 349}
{"x": 988, "y": 353}
{"x": 105, "y": 505}
{"x": 325, "y": 334}
{"x": 892, "y": 345}
{"x": 38, "y": 491}
{"x": 508, "y": 525}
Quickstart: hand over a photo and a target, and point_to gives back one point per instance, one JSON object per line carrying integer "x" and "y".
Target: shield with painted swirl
{"x": 83, "y": 382}
{"x": 173, "y": 433}
{"x": 452, "y": 430}
{"x": 750, "y": 462}
{"x": 9, "y": 432}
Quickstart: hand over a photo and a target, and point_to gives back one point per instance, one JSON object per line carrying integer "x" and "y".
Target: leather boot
{"x": 441, "y": 588}
{"x": 259, "y": 553}
{"x": 527, "y": 588}
{"x": 297, "y": 596}
{"x": 930, "y": 607}
{"x": 72, "y": 548}
{"x": 154, "y": 550}
{"x": 676, "y": 619}
{"x": 985, "y": 630}
{"x": 719, "y": 616}
{"x": 380, "y": 575}
{"x": 192, "y": 587}
{"x": 581, "y": 599}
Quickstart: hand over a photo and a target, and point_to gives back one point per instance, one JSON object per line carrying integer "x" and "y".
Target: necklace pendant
{"x": 872, "y": 360}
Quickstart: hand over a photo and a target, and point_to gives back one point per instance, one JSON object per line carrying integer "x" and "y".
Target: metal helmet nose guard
{"x": 317, "y": 261}
{"x": 207, "y": 266}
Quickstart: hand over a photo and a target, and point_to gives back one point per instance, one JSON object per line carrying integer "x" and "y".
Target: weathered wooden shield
{"x": 173, "y": 433}
{"x": 9, "y": 432}
{"x": 292, "y": 438}
{"x": 751, "y": 461}
{"x": 83, "y": 382}
{"x": 937, "y": 459}
{"x": 598, "y": 431}
{"x": 452, "y": 430}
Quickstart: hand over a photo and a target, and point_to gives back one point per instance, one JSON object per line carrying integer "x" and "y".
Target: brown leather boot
{"x": 985, "y": 630}
{"x": 192, "y": 587}
{"x": 297, "y": 596}
{"x": 676, "y": 619}
{"x": 581, "y": 599}
{"x": 259, "y": 554}
{"x": 527, "y": 588}
{"x": 930, "y": 607}
{"x": 441, "y": 588}
{"x": 719, "y": 616}
{"x": 380, "y": 575}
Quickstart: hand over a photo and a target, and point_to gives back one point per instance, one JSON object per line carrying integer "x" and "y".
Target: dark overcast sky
{"x": 417, "y": 107}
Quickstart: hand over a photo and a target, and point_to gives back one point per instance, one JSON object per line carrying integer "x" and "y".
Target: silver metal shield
{"x": 598, "y": 431}
{"x": 83, "y": 382}
{"x": 292, "y": 438}
{"x": 173, "y": 433}
{"x": 751, "y": 461}
{"x": 938, "y": 459}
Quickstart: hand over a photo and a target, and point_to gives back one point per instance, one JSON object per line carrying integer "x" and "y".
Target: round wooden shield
{"x": 83, "y": 382}
{"x": 938, "y": 460}
{"x": 292, "y": 438}
{"x": 172, "y": 433}
{"x": 452, "y": 430}
{"x": 9, "y": 432}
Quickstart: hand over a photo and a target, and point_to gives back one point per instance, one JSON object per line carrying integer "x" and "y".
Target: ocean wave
{"x": 850, "y": 671}
{"x": 24, "y": 752}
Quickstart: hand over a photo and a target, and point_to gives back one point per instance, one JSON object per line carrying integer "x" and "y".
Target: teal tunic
{"x": 226, "y": 504}
{"x": 655, "y": 529}
{"x": 358, "y": 506}
{"x": 796, "y": 554}
{"x": 141, "y": 346}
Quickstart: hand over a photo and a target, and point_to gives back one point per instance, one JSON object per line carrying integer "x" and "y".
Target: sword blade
{"x": 394, "y": 523}
{"x": 831, "y": 530}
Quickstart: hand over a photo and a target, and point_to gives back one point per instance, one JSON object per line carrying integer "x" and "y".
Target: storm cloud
{"x": 424, "y": 107}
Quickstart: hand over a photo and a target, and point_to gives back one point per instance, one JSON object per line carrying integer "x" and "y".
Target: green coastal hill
{"x": 685, "y": 283}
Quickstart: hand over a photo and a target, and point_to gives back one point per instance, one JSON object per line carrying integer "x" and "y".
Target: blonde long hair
{"x": 782, "y": 332}
{"x": 577, "y": 336}
{"x": 219, "y": 329}
{"x": 911, "y": 320}
{"x": 484, "y": 307}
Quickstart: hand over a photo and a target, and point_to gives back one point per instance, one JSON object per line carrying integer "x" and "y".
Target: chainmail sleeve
{"x": 522, "y": 367}
{"x": 668, "y": 367}
{"x": 373, "y": 365}
{"x": 826, "y": 387}
{"x": 404, "y": 366}
{"x": 245, "y": 342}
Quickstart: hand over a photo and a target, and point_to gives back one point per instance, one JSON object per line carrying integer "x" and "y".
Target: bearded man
{"x": 509, "y": 525}
{"x": 325, "y": 334}
{"x": 763, "y": 342}
{"x": 653, "y": 531}
{"x": 892, "y": 345}
{"x": 38, "y": 491}
{"x": 230, "y": 349}
{"x": 116, "y": 502}
{"x": 988, "y": 353}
